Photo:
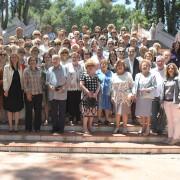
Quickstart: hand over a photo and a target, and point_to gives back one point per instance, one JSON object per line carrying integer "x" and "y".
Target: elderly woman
{"x": 145, "y": 84}
{"x": 12, "y": 85}
{"x": 64, "y": 56}
{"x": 74, "y": 92}
{"x": 150, "y": 57}
{"x": 90, "y": 86}
{"x": 121, "y": 96}
{"x": 104, "y": 76}
{"x": 172, "y": 103}
{"x": 33, "y": 95}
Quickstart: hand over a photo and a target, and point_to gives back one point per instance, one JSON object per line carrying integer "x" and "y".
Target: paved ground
{"x": 37, "y": 166}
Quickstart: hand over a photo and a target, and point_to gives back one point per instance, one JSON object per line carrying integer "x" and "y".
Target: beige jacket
{"x": 8, "y": 75}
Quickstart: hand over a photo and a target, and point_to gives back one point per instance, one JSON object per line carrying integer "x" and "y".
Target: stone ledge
{"x": 89, "y": 147}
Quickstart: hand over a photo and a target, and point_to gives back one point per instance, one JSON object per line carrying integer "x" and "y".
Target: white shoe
{"x": 116, "y": 130}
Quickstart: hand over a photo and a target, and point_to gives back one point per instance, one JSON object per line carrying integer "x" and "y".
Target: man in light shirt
{"x": 159, "y": 73}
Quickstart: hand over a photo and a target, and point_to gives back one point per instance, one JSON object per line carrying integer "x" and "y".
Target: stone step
{"x": 80, "y": 137}
{"x": 131, "y": 128}
{"x": 89, "y": 147}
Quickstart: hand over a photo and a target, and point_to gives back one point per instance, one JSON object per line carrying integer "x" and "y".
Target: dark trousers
{"x": 35, "y": 104}
{"x": 73, "y": 104}
{"x": 133, "y": 108}
{"x": 155, "y": 125}
{"x": 58, "y": 110}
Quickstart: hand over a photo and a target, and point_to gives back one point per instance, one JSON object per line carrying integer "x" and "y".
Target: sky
{"x": 79, "y": 2}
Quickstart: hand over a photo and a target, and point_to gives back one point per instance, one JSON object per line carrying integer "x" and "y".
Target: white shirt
{"x": 160, "y": 77}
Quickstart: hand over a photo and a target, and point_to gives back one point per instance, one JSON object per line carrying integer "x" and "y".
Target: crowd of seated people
{"x": 86, "y": 76}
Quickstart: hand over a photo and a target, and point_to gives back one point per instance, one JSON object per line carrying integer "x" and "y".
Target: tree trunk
{"x": 171, "y": 17}
{"x": 2, "y": 14}
{"x": 160, "y": 10}
{"x": 6, "y": 18}
{"x": 25, "y": 12}
{"x": 137, "y": 4}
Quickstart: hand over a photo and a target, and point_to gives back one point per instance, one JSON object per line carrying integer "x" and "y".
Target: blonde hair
{"x": 142, "y": 62}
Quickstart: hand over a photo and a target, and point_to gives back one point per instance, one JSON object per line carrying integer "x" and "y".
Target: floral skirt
{"x": 89, "y": 107}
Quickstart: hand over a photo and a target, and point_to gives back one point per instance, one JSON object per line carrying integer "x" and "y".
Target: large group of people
{"x": 89, "y": 76}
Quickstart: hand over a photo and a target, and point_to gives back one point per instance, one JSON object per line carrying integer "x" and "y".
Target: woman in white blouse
{"x": 122, "y": 83}
{"x": 74, "y": 92}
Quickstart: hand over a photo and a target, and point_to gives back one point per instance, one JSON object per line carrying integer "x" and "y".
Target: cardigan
{"x": 8, "y": 75}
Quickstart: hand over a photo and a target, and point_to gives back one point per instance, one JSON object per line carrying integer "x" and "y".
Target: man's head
{"x": 160, "y": 61}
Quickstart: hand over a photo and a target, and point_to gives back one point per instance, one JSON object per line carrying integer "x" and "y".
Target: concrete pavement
{"x": 49, "y": 166}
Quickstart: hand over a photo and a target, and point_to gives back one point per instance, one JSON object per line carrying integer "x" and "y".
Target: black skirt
{"x": 14, "y": 101}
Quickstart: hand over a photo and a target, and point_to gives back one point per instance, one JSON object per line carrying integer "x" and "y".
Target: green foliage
{"x": 63, "y": 14}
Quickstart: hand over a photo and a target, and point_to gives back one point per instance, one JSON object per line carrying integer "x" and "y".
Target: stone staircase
{"x": 74, "y": 141}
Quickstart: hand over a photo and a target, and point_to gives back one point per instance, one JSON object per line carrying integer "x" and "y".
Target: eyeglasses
{"x": 65, "y": 52}
{"x": 2, "y": 54}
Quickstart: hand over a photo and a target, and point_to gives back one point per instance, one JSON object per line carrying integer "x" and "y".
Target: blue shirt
{"x": 105, "y": 81}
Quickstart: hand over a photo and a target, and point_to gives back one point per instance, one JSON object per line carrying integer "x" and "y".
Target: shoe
{"x": 16, "y": 129}
{"x": 124, "y": 131}
{"x": 106, "y": 122}
{"x": 147, "y": 132}
{"x": 99, "y": 122}
{"x": 46, "y": 122}
{"x": 71, "y": 123}
{"x": 116, "y": 130}
{"x": 153, "y": 133}
{"x": 173, "y": 141}
{"x": 141, "y": 132}
{"x": 37, "y": 131}
{"x": 86, "y": 132}
{"x": 168, "y": 140}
